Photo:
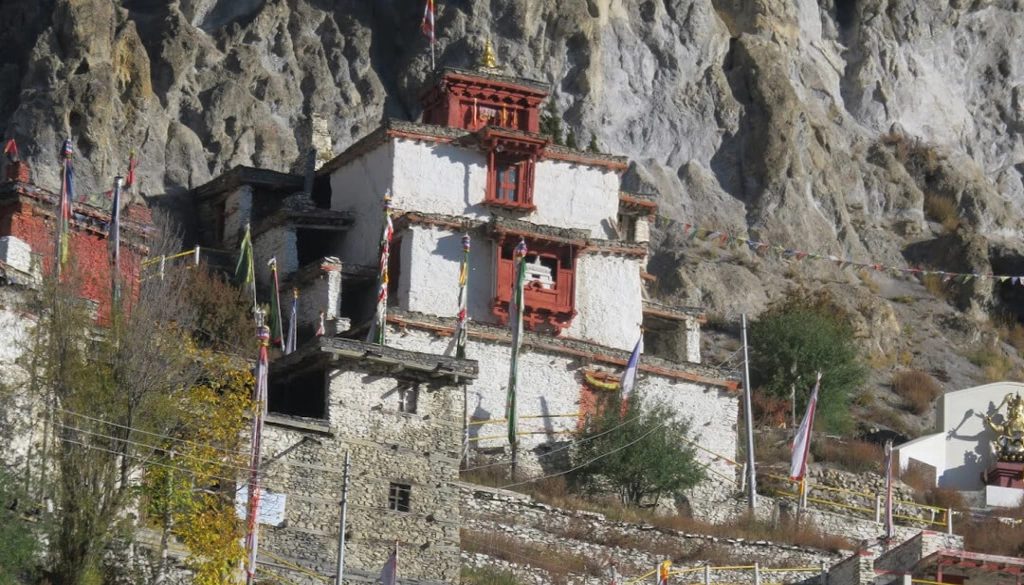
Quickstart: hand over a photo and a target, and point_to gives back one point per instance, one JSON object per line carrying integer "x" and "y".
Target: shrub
{"x": 917, "y": 389}
{"x": 944, "y": 498}
{"x": 770, "y": 410}
{"x": 855, "y": 456}
{"x": 808, "y": 333}
{"x": 995, "y": 366}
{"x": 943, "y": 209}
{"x": 993, "y": 537}
{"x": 486, "y": 576}
{"x": 646, "y": 457}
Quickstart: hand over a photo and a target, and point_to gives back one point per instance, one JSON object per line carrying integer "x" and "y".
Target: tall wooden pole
{"x": 751, "y": 474}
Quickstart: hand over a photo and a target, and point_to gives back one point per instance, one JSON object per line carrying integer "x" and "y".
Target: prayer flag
{"x": 289, "y": 345}
{"x": 114, "y": 233}
{"x": 11, "y": 150}
{"x": 427, "y": 26}
{"x": 461, "y": 333}
{"x": 613, "y": 574}
{"x": 802, "y": 440}
{"x": 320, "y": 330}
{"x": 67, "y": 197}
{"x": 260, "y": 400}
{"x": 377, "y": 329}
{"x": 275, "y": 307}
{"x": 244, "y": 268}
{"x": 389, "y": 574}
{"x": 663, "y": 572}
{"x": 515, "y": 314}
{"x": 132, "y": 163}
{"x": 629, "y": 376}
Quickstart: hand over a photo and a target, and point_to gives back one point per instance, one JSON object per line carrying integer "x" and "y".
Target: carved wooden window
{"x": 399, "y": 496}
{"x": 510, "y": 181}
{"x": 550, "y": 283}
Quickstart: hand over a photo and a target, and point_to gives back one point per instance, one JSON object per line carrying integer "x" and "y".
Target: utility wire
{"x": 152, "y": 434}
{"x": 582, "y": 465}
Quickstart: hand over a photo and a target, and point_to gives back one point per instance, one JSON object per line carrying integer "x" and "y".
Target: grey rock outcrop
{"x": 822, "y": 126}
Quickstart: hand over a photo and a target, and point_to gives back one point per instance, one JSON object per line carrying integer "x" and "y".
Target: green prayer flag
{"x": 244, "y": 268}
{"x": 516, "y": 321}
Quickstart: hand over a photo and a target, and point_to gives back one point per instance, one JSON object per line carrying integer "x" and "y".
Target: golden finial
{"x": 489, "y": 61}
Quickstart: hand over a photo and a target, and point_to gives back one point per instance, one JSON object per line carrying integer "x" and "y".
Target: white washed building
{"x": 477, "y": 165}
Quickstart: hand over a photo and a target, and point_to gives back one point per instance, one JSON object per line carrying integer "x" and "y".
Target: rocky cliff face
{"x": 824, "y": 126}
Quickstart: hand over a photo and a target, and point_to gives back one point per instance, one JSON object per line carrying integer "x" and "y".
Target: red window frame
{"x": 549, "y": 308}
{"x": 516, "y": 193}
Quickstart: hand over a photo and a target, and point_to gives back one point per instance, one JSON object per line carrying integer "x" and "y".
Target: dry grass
{"x": 1010, "y": 331}
{"x": 905, "y": 358}
{"x": 889, "y": 418}
{"x": 942, "y": 209}
{"x": 855, "y": 456}
{"x": 869, "y": 281}
{"x": 934, "y": 285}
{"x": 881, "y": 360}
{"x": 917, "y": 389}
{"x": 557, "y": 563}
{"x": 995, "y": 366}
{"x": 944, "y": 498}
{"x": 918, "y": 477}
{"x": 486, "y": 576}
{"x": 770, "y": 411}
{"x": 994, "y": 536}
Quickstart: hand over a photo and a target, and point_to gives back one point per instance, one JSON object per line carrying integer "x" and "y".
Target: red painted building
{"x": 28, "y": 239}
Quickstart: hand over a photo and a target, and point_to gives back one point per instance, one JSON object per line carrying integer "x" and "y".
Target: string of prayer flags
{"x": 693, "y": 232}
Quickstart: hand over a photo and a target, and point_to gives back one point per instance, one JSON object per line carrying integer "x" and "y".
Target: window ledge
{"x": 511, "y": 206}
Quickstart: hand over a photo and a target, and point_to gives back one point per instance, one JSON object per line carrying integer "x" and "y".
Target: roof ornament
{"x": 488, "y": 59}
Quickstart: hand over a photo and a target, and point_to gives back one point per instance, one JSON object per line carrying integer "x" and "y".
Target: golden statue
{"x": 488, "y": 60}
{"x": 1009, "y": 442}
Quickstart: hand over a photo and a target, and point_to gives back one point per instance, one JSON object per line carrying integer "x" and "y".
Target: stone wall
{"x": 591, "y": 536}
{"x": 304, "y": 460}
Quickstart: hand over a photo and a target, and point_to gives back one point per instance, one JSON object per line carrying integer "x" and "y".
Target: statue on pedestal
{"x": 1009, "y": 442}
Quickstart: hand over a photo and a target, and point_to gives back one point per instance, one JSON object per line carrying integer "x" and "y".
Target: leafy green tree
{"x": 18, "y": 534}
{"x": 805, "y": 334}
{"x": 642, "y": 457}
{"x": 592, "y": 146}
{"x": 551, "y": 122}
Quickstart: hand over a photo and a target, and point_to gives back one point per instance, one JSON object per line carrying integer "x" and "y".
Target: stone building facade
{"x": 398, "y": 414}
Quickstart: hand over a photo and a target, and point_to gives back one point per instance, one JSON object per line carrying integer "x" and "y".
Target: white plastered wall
{"x": 237, "y": 212}
{"x": 569, "y": 195}
{"x": 452, "y": 180}
{"x": 431, "y": 261}
{"x": 608, "y": 301}
{"x": 359, "y": 187}
{"x": 551, "y": 384}
{"x": 439, "y": 178}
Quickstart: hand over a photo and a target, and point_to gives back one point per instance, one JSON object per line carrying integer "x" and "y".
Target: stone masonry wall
{"x": 600, "y": 540}
{"x": 304, "y": 459}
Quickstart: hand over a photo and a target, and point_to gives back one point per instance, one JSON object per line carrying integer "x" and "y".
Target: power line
{"x": 138, "y": 430}
{"x": 582, "y": 465}
{"x": 562, "y": 448}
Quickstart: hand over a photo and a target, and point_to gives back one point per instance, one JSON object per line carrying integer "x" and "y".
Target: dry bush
{"x": 770, "y": 411}
{"x": 855, "y": 456}
{"x": 995, "y": 366}
{"x": 869, "y": 281}
{"x": 944, "y": 498}
{"x": 1011, "y": 332}
{"x": 557, "y": 563}
{"x": 993, "y": 537}
{"x": 917, "y": 389}
{"x": 933, "y": 284}
{"x": 918, "y": 477}
{"x": 943, "y": 209}
{"x": 767, "y": 452}
{"x": 486, "y": 576}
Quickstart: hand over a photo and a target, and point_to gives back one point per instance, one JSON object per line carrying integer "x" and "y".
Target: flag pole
{"x": 751, "y": 473}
